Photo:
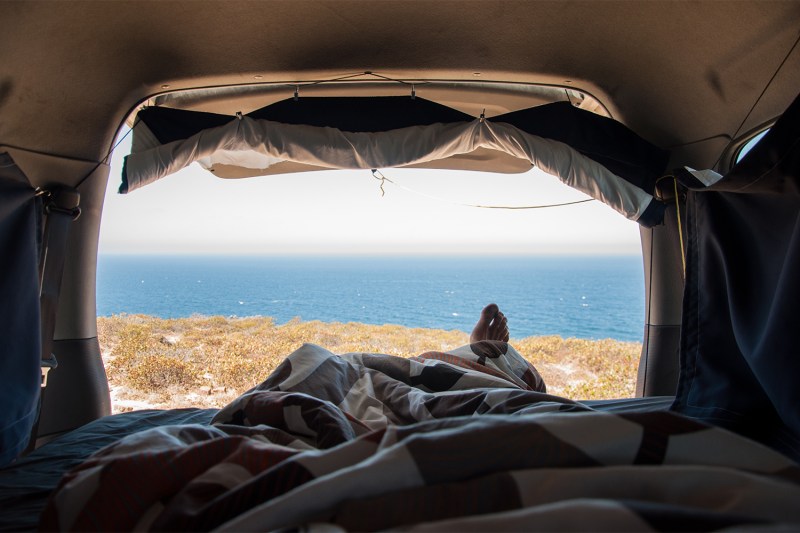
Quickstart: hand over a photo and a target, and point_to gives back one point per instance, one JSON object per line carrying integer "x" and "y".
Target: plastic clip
{"x": 47, "y": 365}
{"x": 62, "y": 201}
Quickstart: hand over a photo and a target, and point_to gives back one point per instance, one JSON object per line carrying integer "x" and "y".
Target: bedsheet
{"x": 461, "y": 440}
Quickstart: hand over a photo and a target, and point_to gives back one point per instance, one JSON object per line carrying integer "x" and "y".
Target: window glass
{"x": 749, "y": 145}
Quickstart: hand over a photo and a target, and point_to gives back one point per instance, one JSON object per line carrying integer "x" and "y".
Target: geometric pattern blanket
{"x": 456, "y": 441}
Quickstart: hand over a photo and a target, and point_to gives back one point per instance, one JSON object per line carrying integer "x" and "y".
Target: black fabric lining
{"x": 687, "y": 179}
{"x": 602, "y": 139}
{"x": 653, "y": 214}
{"x": 365, "y": 114}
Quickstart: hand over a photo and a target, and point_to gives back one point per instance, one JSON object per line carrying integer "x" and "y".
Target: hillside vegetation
{"x": 207, "y": 361}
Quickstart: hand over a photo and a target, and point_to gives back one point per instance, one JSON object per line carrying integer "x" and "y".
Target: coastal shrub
{"x": 241, "y": 373}
{"x": 206, "y": 361}
{"x": 154, "y": 372}
{"x": 134, "y": 339}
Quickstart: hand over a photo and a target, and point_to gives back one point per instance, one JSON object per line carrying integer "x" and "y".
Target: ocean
{"x": 584, "y": 297}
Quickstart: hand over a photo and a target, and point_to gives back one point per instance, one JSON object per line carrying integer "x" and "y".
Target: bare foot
{"x": 491, "y": 326}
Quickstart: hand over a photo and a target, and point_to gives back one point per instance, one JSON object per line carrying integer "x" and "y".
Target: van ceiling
{"x": 674, "y": 72}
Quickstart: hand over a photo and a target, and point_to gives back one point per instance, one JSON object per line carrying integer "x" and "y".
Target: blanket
{"x": 463, "y": 440}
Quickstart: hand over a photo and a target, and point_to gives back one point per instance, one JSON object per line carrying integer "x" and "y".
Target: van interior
{"x": 681, "y": 117}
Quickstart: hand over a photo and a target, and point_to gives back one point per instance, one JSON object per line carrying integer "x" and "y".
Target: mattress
{"x": 26, "y": 484}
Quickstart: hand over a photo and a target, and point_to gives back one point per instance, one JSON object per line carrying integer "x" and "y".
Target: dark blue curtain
{"x": 19, "y": 310}
{"x": 740, "y": 347}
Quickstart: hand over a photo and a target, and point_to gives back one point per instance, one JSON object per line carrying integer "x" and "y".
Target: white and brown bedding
{"x": 445, "y": 441}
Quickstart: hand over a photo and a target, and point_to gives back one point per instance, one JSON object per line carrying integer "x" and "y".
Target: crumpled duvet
{"x": 463, "y": 440}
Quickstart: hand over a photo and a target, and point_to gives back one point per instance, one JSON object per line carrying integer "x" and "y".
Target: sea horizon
{"x": 571, "y": 295}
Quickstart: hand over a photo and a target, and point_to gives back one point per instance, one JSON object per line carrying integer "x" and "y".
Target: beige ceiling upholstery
{"x": 676, "y": 72}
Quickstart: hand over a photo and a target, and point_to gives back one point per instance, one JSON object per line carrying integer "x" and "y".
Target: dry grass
{"x": 207, "y": 361}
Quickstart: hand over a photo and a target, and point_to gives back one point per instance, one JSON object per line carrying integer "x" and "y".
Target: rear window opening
{"x": 205, "y": 284}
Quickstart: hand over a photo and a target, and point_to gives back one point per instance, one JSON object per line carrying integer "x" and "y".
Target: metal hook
{"x": 482, "y": 118}
{"x": 413, "y": 92}
{"x": 239, "y": 115}
{"x": 296, "y": 92}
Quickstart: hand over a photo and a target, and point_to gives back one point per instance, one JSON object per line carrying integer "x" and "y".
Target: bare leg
{"x": 492, "y": 326}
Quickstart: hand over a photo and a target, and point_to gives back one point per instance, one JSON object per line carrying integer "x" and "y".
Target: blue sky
{"x": 343, "y": 213}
